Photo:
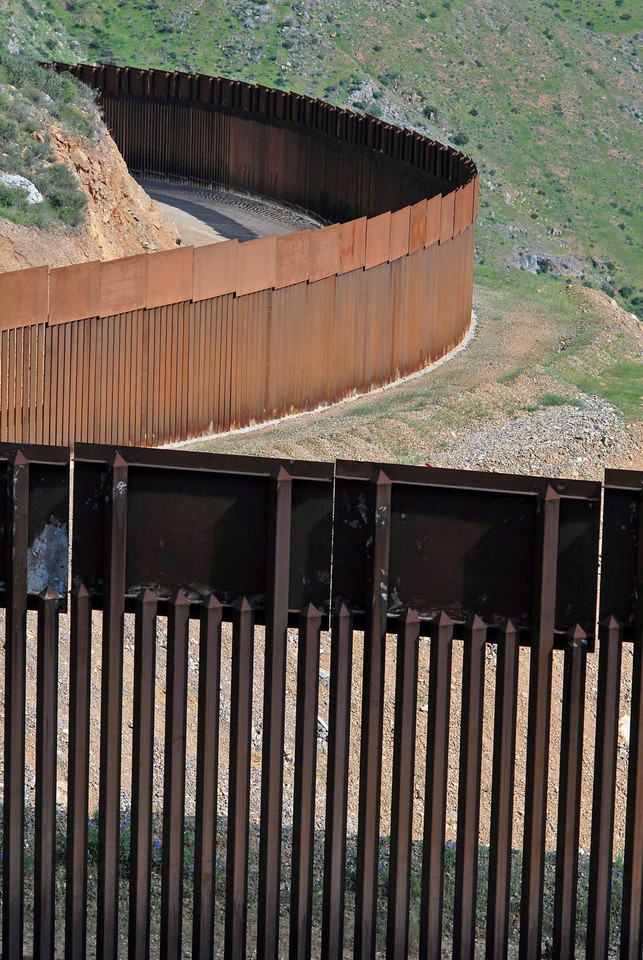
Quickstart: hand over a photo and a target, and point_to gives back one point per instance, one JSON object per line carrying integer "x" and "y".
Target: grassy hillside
{"x": 31, "y": 99}
{"x": 544, "y": 95}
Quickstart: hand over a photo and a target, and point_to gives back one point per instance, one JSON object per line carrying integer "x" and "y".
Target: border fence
{"x": 165, "y": 346}
{"x": 421, "y": 565}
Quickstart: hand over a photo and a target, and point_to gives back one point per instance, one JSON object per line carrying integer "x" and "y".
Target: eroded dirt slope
{"x": 120, "y": 219}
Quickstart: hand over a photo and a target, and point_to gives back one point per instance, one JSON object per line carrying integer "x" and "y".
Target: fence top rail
{"x": 147, "y": 281}
{"x": 187, "y": 460}
{"x": 457, "y": 541}
{"x": 470, "y": 479}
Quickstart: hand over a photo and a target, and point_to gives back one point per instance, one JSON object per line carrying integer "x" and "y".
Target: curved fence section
{"x": 165, "y": 346}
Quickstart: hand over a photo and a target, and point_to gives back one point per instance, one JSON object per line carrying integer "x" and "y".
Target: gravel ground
{"x": 566, "y": 439}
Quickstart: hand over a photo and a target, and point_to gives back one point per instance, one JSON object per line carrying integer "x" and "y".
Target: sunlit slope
{"x": 545, "y": 96}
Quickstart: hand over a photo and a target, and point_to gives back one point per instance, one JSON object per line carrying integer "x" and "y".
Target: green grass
{"x": 556, "y": 400}
{"x": 542, "y": 94}
{"x": 30, "y": 100}
{"x": 621, "y": 384}
{"x": 351, "y": 876}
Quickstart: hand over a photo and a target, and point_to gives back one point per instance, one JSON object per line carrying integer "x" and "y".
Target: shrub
{"x": 60, "y": 188}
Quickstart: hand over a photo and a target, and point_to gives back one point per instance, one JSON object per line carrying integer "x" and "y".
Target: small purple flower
{"x": 157, "y": 843}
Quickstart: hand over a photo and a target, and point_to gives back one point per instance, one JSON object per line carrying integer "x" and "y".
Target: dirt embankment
{"x": 120, "y": 219}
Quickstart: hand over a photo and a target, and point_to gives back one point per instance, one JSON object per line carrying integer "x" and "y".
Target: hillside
{"x": 544, "y": 95}
{"x": 56, "y": 152}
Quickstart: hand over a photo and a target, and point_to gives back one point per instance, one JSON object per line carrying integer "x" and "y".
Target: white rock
{"x": 14, "y": 180}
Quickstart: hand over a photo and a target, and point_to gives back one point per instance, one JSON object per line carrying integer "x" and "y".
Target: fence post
{"x": 236, "y": 903}
{"x": 207, "y": 768}
{"x": 44, "y": 913}
{"x": 78, "y": 773}
{"x": 542, "y": 645}
{"x": 14, "y": 709}
{"x": 632, "y": 915}
{"x": 502, "y": 792}
{"x": 370, "y": 767}
{"x": 142, "y": 775}
{"x": 466, "y": 867}
{"x": 435, "y": 790}
{"x": 174, "y": 778}
{"x": 569, "y": 795}
{"x": 399, "y": 877}
{"x": 272, "y": 758}
{"x": 339, "y": 719}
{"x": 111, "y": 713}
{"x": 303, "y": 833}
{"x": 600, "y": 862}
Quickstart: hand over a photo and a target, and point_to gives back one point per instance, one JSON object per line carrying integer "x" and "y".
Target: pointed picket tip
{"x": 310, "y": 612}
{"x": 410, "y": 617}
{"x": 146, "y": 596}
{"x": 212, "y": 603}
{"x": 577, "y": 634}
{"x": 244, "y": 606}
{"x": 49, "y": 593}
{"x": 383, "y": 479}
{"x": 180, "y": 599}
{"x": 343, "y": 611}
{"x": 551, "y": 494}
{"x": 611, "y": 623}
{"x": 443, "y": 620}
{"x": 118, "y": 461}
{"x": 20, "y": 459}
{"x": 476, "y": 623}
{"x": 508, "y": 627}
{"x": 283, "y": 475}
{"x": 80, "y": 591}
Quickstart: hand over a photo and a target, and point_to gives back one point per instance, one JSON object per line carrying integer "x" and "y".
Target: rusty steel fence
{"x": 166, "y": 346}
{"x": 190, "y": 618}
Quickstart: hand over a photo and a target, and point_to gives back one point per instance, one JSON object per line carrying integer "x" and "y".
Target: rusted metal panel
{"x": 74, "y": 292}
{"x": 447, "y": 216}
{"x": 325, "y": 252}
{"x": 23, "y": 297}
{"x": 293, "y": 258}
{"x": 123, "y": 285}
{"x": 433, "y": 219}
{"x": 215, "y": 269}
{"x": 353, "y": 245}
{"x": 459, "y": 211}
{"x": 417, "y": 226}
{"x": 112, "y": 79}
{"x": 510, "y": 507}
{"x": 137, "y": 82}
{"x": 215, "y": 489}
{"x": 169, "y": 276}
{"x": 399, "y": 236}
{"x": 256, "y": 265}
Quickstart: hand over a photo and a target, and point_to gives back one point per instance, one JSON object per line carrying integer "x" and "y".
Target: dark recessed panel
{"x": 202, "y": 532}
{"x": 463, "y": 552}
{"x": 622, "y": 566}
